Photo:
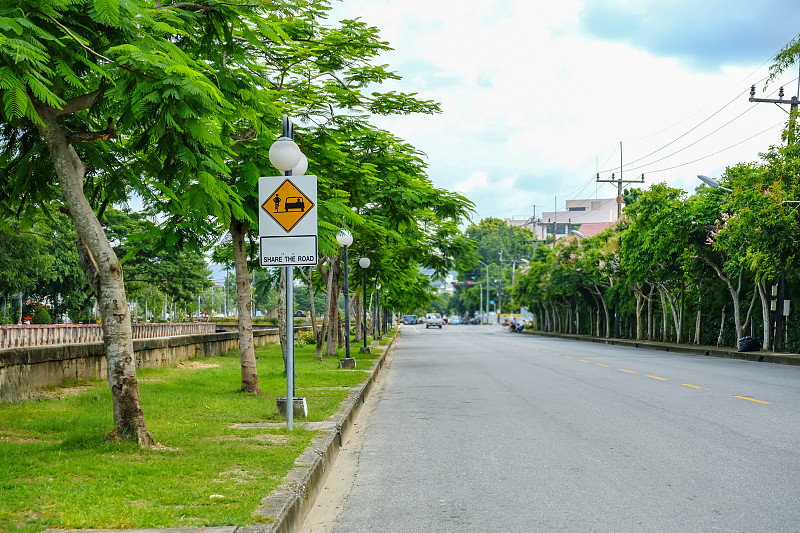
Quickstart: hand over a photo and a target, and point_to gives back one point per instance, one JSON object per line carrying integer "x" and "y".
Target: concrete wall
{"x": 25, "y": 368}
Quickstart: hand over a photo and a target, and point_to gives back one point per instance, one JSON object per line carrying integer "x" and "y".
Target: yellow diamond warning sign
{"x": 287, "y": 205}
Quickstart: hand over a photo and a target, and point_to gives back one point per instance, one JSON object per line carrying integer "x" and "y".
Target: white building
{"x": 593, "y": 215}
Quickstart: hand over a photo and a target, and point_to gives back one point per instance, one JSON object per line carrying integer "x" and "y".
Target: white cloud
{"x": 532, "y": 107}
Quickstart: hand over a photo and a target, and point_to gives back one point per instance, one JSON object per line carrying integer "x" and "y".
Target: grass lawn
{"x": 57, "y": 470}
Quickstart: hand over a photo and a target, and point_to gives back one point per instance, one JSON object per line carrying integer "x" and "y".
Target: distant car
{"x": 432, "y": 320}
{"x": 409, "y": 319}
{"x": 455, "y": 320}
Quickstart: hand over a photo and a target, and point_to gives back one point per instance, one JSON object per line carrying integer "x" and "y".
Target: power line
{"x": 692, "y": 144}
{"x": 743, "y": 80}
{"x": 645, "y": 166}
{"x": 718, "y": 151}
{"x": 688, "y": 132}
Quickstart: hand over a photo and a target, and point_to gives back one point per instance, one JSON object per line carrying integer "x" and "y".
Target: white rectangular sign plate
{"x": 297, "y": 250}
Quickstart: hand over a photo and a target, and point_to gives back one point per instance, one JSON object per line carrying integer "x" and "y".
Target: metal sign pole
{"x": 288, "y": 131}
{"x": 289, "y": 346}
{"x": 287, "y": 228}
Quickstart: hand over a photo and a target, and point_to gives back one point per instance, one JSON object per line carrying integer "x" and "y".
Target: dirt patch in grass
{"x": 16, "y": 437}
{"x": 268, "y": 437}
{"x": 58, "y": 393}
{"x": 194, "y": 365}
{"x": 271, "y": 438}
{"x": 237, "y": 475}
{"x": 162, "y": 448}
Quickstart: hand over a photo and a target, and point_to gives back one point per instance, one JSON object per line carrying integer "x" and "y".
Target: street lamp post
{"x": 345, "y": 239}
{"x": 487, "y": 287}
{"x": 285, "y": 155}
{"x": 713, "y": 183}
{"x": 499, "y": 292}
{"x": 364, "y": 264}
{"x": 480, "y": 292}
{"x": 378, "y": 314}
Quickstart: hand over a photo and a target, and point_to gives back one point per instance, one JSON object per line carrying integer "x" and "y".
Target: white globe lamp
{"x": 301, "y": 167}
{"x": 344, "y": 237}
{"x": 284, "y": 154}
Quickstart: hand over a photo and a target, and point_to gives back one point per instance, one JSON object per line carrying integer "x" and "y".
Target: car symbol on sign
{"x": 294, "y": 202}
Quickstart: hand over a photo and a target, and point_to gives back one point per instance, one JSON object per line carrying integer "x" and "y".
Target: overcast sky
{"x": 537, "y": 96}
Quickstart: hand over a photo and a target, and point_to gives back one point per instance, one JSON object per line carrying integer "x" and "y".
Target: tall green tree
{"x": 78, "y": 75}
{"x": 652, "y": 247}
{"x": 24, "y": 264}
{"x": 501, "y": 246}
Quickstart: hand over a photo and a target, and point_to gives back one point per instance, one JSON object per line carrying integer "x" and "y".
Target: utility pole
{"x": 777, "y": 341}
{"x": 532, "y": 222}
{"x": 619, "y": 182}
{"x": 500, "y": 285}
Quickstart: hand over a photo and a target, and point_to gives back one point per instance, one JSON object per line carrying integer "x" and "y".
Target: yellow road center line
{"x": 568, "y": 356}
{"x": 601, "y": 364}
{"x": 584, "y": 361}
{"x": 656, "y": 377}
{"x": 692, "y": 386}
{"x": 623, "y": 370}
{"x": 750, "y": 399}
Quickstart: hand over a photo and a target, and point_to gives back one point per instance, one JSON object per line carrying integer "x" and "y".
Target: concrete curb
{"x": 285, "y": 509}
{"x": 688, "y": 349}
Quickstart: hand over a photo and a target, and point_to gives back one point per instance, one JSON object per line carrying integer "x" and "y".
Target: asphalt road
{"x": 479, "y": 429}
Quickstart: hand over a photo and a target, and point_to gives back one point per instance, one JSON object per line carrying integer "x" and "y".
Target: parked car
{"x": 409, "y": 319}
{"x": 456, "y": 320}
{"x": 432, "y": 320}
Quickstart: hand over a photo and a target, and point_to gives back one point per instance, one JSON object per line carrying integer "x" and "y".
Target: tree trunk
{"x": 358, "y": 309}
{"x": 568, "y": 325}
{"x": 650, "y": 324}
{"x": 664, "y": 313}
{"x": 697, "y": 321}
{"x": 735, "y": 293}
{"x": 638, "y": 292}
{"x": 557, "y": 325}
{"x": 342, "y": 333}
{"x": 606, "y": 313}
{"x": 763, "y": 292}
{"x": 721, "y": 327}
{"x": 318, "y": 331}
{"x": 334, "y": 281}
{"x": 546, "y": 325}
{"x": 282, "y": 324}
{"x": 104, "y": 274}
{"x": 247, "y": 354}
{"x": 676, "y": 306}
{"x": 596, "y": 329}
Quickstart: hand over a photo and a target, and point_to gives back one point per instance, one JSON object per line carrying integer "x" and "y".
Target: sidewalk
{"x": 689, "y": 349}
